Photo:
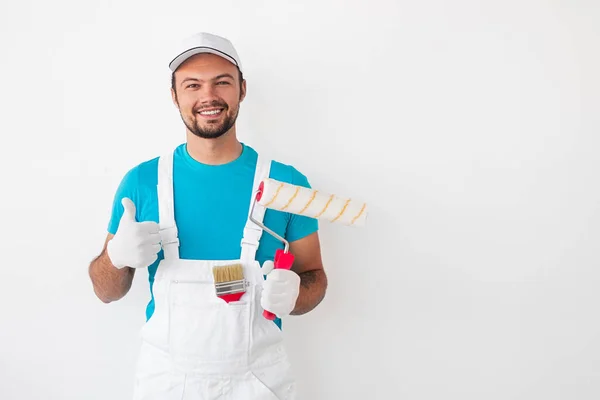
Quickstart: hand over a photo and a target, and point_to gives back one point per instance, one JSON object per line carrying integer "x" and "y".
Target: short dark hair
{"x": 240, "y": 75}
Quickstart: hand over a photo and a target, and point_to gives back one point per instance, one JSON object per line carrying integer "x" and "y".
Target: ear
{"x": 243, "y": 91}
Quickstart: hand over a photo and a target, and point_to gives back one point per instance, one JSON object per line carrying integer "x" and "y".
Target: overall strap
{"x": 166, "y": 208}
{"x": 253, "y": 232}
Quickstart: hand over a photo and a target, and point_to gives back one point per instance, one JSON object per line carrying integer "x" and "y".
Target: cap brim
{"x": 177, "y": 61}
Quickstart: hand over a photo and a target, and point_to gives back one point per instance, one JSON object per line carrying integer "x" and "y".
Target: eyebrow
{"x": 213, "y": 79}
{"x": 223, "y": 76}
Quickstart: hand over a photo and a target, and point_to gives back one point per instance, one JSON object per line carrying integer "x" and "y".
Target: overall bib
{"x": 196, "y": 346}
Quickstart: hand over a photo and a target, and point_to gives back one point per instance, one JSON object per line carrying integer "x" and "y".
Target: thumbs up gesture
{"x": 135, "y": 244}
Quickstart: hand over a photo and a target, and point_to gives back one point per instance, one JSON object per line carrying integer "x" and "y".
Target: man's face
{"x": 208, "y": 94}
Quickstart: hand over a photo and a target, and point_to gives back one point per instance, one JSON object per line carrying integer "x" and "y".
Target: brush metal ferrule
{"x": 231, "y": 287}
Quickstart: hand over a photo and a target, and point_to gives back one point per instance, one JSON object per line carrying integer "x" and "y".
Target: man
{"x": 180, "y": 215}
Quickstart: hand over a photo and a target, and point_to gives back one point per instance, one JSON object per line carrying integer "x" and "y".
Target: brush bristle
{"x": 228, "y": 273}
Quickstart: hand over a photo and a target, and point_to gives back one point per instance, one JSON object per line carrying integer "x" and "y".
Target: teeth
{"x": 210, "y": 112}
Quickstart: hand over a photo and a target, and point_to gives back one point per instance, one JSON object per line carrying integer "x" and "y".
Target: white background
{"x": 469, "y": 127}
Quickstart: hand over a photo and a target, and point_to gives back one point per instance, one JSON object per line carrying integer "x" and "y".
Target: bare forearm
{"x": 313, "y": 285}
{"x": 110, "y": 283}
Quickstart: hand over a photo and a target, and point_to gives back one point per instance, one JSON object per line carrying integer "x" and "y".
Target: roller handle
{"x": 282, "y": 260}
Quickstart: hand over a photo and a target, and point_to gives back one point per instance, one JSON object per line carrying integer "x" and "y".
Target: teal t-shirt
{"x": 211, "y": 207}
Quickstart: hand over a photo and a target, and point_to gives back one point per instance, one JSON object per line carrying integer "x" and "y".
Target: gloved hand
{"x": 280, "y": 290}
{"x": 135, "y": 244}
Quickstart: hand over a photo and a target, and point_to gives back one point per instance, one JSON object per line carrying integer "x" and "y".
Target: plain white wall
{"x": 470, "y": 128}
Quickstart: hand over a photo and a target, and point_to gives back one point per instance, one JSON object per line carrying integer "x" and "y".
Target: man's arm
{"x": 309, "y": 266}
{"x": 110, "y": 283}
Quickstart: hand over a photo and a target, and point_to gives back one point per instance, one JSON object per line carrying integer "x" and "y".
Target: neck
{"x": 221, "y": 150}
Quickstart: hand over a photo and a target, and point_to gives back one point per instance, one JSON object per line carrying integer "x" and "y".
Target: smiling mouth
{"x": 211, "y": 113}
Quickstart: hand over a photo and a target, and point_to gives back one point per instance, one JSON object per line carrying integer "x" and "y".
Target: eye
{"x": 192, "y": 85}
{"x": 223, "y": 83}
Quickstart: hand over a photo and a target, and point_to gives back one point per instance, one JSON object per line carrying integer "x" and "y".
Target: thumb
{"x": 267, "y": 267}
{"x": 129, "y": 209}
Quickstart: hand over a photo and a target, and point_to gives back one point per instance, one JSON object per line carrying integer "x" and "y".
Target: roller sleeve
{"x": 312, "y": 203}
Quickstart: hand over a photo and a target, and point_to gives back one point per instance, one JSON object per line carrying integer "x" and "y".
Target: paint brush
{"x": 230, "y": 284}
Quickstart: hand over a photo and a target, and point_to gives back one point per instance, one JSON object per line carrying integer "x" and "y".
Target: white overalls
{"x": 196, "y": 346}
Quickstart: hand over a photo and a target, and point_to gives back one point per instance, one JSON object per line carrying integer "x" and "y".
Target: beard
{"x": 211, "y": 129}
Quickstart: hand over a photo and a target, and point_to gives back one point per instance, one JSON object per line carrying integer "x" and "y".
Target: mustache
{"x": 213, "y": 104}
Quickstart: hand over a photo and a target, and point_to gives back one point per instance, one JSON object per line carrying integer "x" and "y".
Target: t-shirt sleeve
{"x": 300, "y": 226}
{"x": 128, "y": 187}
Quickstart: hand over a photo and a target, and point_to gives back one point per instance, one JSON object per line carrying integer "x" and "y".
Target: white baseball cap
{"x": 204, "y": 42}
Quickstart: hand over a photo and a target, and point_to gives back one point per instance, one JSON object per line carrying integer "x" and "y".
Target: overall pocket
{"x": 276, "y": 379}
{"x": 204, "y": 328}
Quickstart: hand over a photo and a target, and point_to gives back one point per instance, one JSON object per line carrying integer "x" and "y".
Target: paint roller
{"x": 283, "y": 196}
{"x": 311, "y": 203}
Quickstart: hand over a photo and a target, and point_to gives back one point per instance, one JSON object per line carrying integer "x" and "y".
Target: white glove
{"x": 135, "y": 244}
{"x": 280, "y": 290}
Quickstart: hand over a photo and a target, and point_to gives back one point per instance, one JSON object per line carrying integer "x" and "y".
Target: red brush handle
{"x": 282, "y": 261}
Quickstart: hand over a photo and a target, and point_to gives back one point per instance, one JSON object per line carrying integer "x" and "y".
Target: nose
{"x": 207, "y": 93}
